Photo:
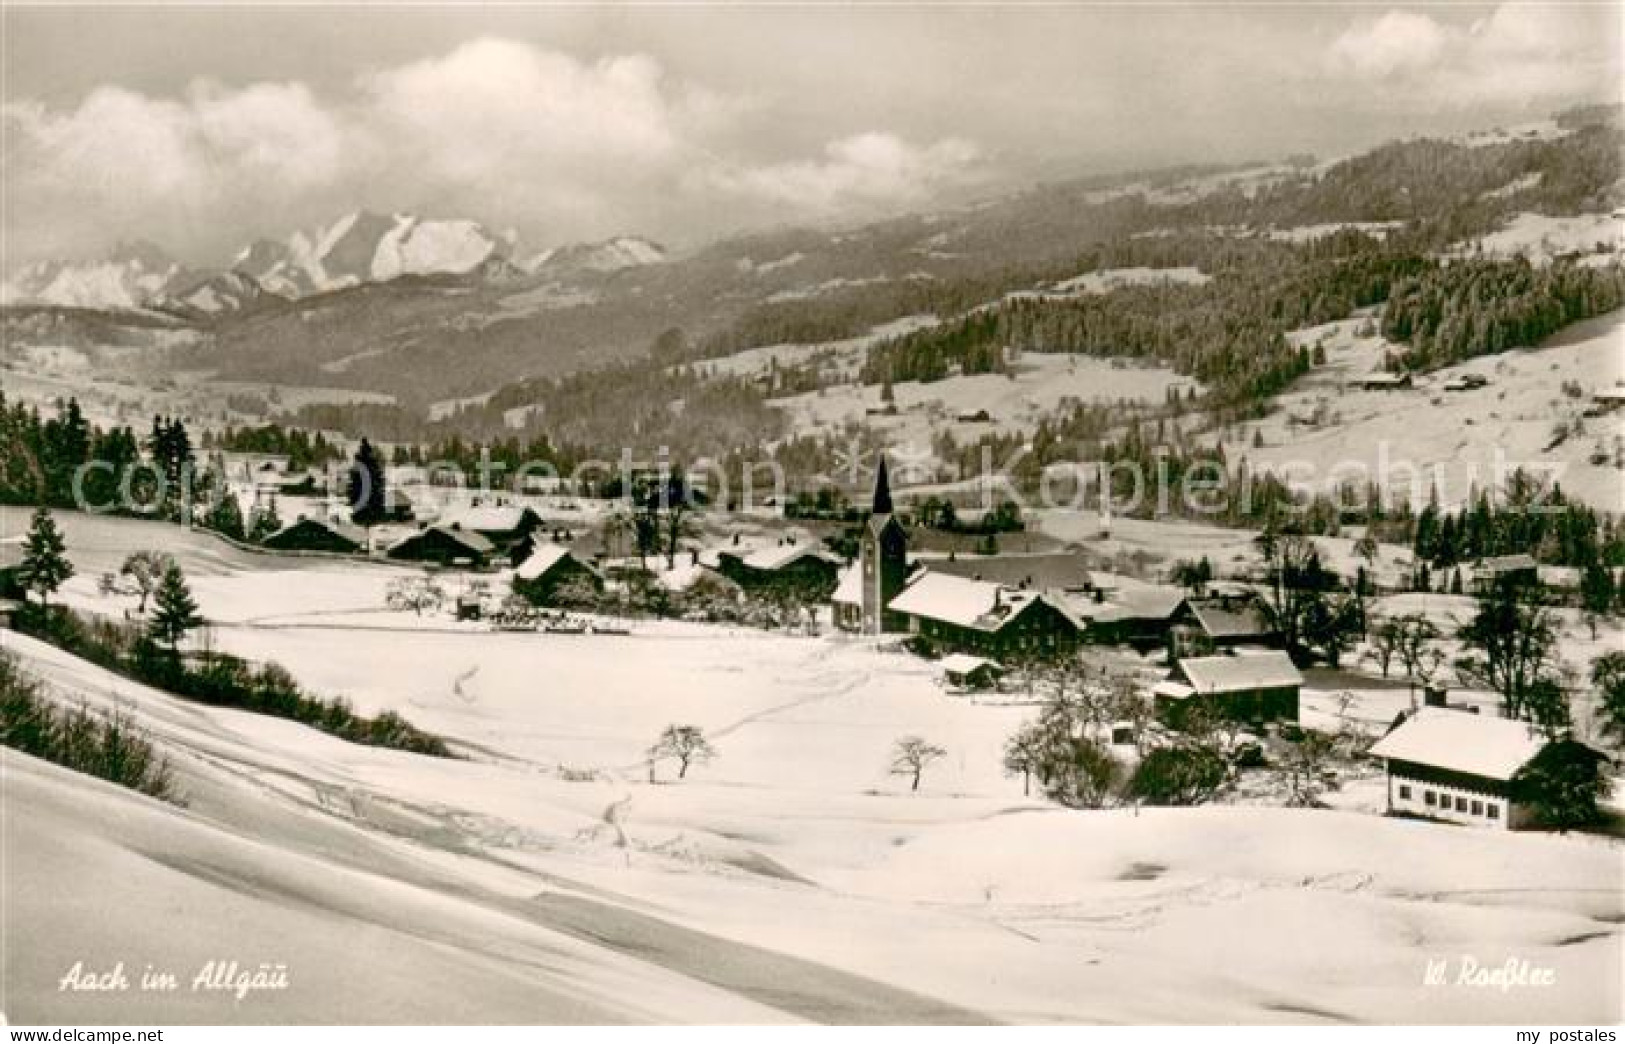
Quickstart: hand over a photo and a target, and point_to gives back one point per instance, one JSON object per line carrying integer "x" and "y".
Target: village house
{"x": 506, "y": 526}
{"x": 958, "y": 614}
{"x": 1607, "y": 400}
{"x": 444, "y": 545}
{"x": 1255, "y": 685}
{"x": 549, "y": 568}
{"x": 1221, "y": 621}
{"x": 1489, "y": 573}
{"x": 315, "y": 534}
{"x": 799, "y": 571}
{"x": 1463, "y": 768}
{"x": 1382, "y": 380}
{"x": 1139, "y": 616}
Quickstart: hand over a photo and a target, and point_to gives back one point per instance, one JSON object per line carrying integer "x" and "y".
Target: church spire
{"x": 882, "y": 504}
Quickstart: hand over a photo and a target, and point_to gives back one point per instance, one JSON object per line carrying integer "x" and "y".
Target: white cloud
{"x": 491, "y": 105}
{"x": 862, "y": 170}
{"x": 1399, "y": 42}
{"x": 1519, "y": 55}
{"x": 494, "y": 129}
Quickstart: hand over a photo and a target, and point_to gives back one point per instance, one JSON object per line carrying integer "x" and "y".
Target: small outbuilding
{"x": 970, "y": 673}
{"x": 1382, "y": 380}
{"x": 547, "y": 569}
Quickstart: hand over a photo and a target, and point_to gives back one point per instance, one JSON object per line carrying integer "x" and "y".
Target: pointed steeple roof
{"x": 882, "y": 505}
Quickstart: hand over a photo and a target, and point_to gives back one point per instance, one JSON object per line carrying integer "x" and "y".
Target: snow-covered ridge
{"x": 610, "y": 255}
{"x": 128, "y": 279}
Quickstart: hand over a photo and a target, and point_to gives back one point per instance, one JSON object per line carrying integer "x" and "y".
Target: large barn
{"x": 985, "y": 619}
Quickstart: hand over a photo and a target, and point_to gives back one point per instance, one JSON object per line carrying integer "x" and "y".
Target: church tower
{"x": 883, "y": 558}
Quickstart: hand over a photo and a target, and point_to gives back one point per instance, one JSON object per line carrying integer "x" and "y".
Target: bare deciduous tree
{"x": 686, "y": 743}
{"x": 145, "y": 569}
{"x": 911, "y": 755}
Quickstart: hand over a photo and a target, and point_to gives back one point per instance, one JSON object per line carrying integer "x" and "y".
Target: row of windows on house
{"x": 1443, "y": 802}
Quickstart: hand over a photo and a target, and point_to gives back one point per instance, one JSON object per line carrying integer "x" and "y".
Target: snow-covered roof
{"x": 1141, "y": 603}
{"x": 1221, "y": 619}
{"x": 781, "y": 555}
{"x": 1265, "y": 669}
{"x": 354, "y": 534}
{"x": 1039, "y": 571}
{"x": 1504, "y": 564}
{"x": 849, "y": 586}
{"x": 1173, "y": 690}
{"x": 540, "y": 561}
{"x": 965, "y": 603}
{"x": 487, "y": 518}
{"x": 1495, "y": 748}
{"x": 468, "y": 538}
{"x": 964, "y": 663}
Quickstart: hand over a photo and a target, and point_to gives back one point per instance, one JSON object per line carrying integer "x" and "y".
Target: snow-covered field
{"x": 1599, "y": 238}
{"x": 1326, "y": 428}
{"x": 1038, "y": 385}
{"x": 544, "y": 878}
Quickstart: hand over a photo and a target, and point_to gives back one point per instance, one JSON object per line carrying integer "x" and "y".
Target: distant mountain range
{"x": 428, "y": 310}
{"x": 357, "y": 249}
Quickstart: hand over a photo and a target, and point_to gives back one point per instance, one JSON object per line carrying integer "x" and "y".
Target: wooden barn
{"x": 443, "y": 545}
{"x": 1516, "y": 570}
{"x": 797, "y": 571}
{"x": 547, "y": 569}
{"x": 1254, "y": 686}
{"x": 315, "y": 534}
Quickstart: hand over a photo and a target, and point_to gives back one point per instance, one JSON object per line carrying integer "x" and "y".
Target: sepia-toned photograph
{"x": 763, "y": 514}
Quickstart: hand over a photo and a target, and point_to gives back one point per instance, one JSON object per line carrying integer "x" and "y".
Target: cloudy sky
{"x": 203, "y": 127}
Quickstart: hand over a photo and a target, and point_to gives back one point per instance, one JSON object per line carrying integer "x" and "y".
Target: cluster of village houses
{"x": 983, "y": 612}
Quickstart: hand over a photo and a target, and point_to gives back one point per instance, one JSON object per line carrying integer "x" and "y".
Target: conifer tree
{"x": 175, "y": 611}
{"x": 45, "y": 565}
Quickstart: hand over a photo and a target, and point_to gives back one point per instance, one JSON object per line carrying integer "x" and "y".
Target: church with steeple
{"x": 882, "y": 563}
